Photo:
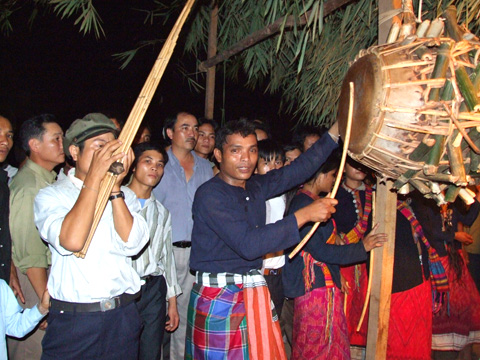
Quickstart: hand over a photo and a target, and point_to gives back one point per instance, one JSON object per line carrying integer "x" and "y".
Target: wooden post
{"x": 212, "y": 51}
{"x": 379, "y": 312}
{"x": 386, "y": 216}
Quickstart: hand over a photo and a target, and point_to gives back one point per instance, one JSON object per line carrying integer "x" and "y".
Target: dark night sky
{"x": 53, "y": 68}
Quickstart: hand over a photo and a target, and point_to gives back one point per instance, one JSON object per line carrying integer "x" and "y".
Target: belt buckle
{"x": 107, "y": 304}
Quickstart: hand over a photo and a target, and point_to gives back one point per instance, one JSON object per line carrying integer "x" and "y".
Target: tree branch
{"x": 328, "y": 7}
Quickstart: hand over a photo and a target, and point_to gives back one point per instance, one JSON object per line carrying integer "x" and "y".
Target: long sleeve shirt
{"x": 229, "y": 232}
{"x": 428, "y": 214}
{"x": 5, "y": 240}
{"x": 176, "y": 194}
{"x": 331, "y": 255}
{"x": 106, "y": 271}
{"x": 28, "y": 249}
{"x": 14, "y": 321}
{"x": 157, "y": 258}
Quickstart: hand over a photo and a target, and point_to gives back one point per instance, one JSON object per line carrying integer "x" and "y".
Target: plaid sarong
{"x": 231, "y": 316}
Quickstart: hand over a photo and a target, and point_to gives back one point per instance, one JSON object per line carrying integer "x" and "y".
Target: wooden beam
{"x": 386, "y": 216}
{"x": 258, "y": 36}
{"x": 380, "y": 297}
{"x": 212, "y": 51}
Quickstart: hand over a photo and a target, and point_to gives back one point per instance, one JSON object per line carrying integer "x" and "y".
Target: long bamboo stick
{"x": 333, "y": 193}
{"x": 136, "y": 116}
{"x": 370, "y": 272}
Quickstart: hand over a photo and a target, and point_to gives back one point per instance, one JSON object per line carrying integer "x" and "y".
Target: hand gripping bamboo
{"x": 136, "y": 116}
{"x": 333, "y": 193}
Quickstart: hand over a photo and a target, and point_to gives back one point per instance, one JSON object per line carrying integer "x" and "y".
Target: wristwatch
{"x": 117, "y": 196}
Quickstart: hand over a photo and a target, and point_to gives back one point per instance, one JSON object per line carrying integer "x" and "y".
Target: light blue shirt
{"x": 177, "y": 195}
{"x": 14, "y": 321}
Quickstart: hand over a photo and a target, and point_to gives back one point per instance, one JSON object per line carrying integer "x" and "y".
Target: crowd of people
{"x": 188, "y": 260}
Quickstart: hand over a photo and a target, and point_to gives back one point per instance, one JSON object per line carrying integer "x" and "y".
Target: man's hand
{"x": 464, "y": 237}
{"x": 318, "y": 211}
{"x": 101, "y": 161}
{"x": 373, "y": 240}
{"x": 15, "y": 284}
{"x": 127, "y": 162}
{"x": 44, "y": 305}
{"x": 172, "y": 324}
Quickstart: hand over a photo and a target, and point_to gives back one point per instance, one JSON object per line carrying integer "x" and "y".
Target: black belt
{"x": 272, "y": 271}
{"x": 182, "y": 244}
{"x": 104, "y": 305}
{"x": 150, "y": 278}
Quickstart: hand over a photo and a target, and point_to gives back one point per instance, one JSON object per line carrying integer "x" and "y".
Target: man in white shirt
{"x": 92, "y": 314}
{"x": 155, "y": 263}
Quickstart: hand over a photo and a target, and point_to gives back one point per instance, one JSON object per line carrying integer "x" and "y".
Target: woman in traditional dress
{"x": 353, "y": 221}
{"x": 313, "y": 278}
{"x": 456, "y": 324}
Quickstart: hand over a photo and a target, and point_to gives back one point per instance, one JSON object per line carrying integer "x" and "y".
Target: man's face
{"x": 184, "y": 134}
{"x": 6, "y": 138}
{"x": 145, "y": 136}
{"x": 309, "y": 141}
{"x": 83, "y": 159}
{"x": 50, "y": 148}
{"x": 291, "y": 155}
{"x": 206, "y": 140}
{"x": 237, "y": 159}
{"x": 149, "y": 168}
{"x": 264, "y": 165}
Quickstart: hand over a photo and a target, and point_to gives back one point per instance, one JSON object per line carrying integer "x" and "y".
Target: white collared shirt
{"x": 157, "y": 258}
{"x": 106, "y": 271}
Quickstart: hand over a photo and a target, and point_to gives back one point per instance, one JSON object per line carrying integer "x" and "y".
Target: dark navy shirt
{"x": 331, "y": 255}
{"x": 229, "y": 231}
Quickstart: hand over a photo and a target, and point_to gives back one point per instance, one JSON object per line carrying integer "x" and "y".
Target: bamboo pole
{"x": 333, "y": 193}
{"x": 212, "y": 51}
{"x": 136, "y": 116}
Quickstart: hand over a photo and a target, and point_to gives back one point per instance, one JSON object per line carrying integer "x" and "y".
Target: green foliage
{"x": 88, "y": 19}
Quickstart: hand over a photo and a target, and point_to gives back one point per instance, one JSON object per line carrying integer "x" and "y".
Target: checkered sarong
{"x": 217, "y": 318}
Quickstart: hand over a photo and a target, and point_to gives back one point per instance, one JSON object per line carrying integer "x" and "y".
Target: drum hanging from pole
{"x": 415, "y": 113}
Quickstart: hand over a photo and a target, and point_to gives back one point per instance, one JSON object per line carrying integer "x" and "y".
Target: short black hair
{"x": 332, "y": 163}
{"x": 302, "y": 133}
{"x": 268, "y": 148}
{"x": 202, "y": 121}
{"x": 34, "y": 128}
{"x": 170, "y": 122}
{"x": 242, "y": 127}
{"x": 292, "y": 146}
{"x": 139, "y": 149}
{"x": 260, "y": 125}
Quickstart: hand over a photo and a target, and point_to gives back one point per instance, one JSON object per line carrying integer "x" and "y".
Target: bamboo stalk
{"x": 333, "y": 193}
{"x": 467, "y": 89}
{"x": 370, "y": 270}
{"x": 136, "y": 116}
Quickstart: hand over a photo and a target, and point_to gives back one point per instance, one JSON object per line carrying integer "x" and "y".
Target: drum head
{"x": 367, "y": 79}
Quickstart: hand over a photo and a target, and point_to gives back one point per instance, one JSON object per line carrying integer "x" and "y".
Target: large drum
{"x": 410, "y": 120}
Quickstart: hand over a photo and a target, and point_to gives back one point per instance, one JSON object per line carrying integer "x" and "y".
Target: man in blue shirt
{"x": 230, "y": 238}
{"x": 184, "y": 173}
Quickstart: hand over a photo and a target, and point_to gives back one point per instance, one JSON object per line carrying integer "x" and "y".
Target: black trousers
{"x": 152, "y": 308}
{"x": 98, "y": 335}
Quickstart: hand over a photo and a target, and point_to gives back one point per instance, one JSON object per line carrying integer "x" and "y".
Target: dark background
{"x": 51, "y": 67}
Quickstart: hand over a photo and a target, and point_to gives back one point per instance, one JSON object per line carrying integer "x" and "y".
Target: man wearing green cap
{"x": 92, "y": 314}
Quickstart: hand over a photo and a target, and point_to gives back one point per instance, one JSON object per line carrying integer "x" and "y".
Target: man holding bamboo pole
{"x": 92, "y": 314}
{"x": 229, "y": 312}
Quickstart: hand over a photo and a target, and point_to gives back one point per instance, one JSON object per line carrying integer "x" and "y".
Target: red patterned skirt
{"x": 410, "y": 324}
{"x": 310, "y": 340}
{"x": 355, "y": 301}
{"x": 452, "y": 332}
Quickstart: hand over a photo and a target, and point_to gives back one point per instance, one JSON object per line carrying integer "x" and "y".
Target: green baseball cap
{"x": 89, "y": 126}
